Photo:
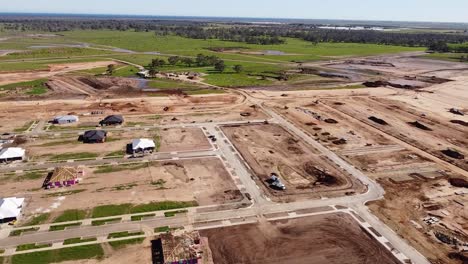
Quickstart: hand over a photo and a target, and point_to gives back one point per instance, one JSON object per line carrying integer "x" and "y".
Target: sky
{"x": 395, "y": 10}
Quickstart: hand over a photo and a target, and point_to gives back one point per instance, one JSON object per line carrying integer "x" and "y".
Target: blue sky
{"x": 409, "y": 10}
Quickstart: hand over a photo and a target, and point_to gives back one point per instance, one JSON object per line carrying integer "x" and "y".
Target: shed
{"x": 10, "y": 208}
{"x": 143, "y": 145}
{"x": 94, "y": 136}
{"x": 63, "y": 176}
{"x": 11, "y": 154}
{"x": 66, "y": 119}
{"x": 112, "y": 120}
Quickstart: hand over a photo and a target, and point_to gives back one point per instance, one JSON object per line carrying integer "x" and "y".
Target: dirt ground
{"x": 271, "y": 149}
{"x": 407, "y": 204}
{"x": 334, "y": 238}
{"x": 196, "y": 108}
{"x": 54, "y": 69}
{"x": 203, "y": 180}
{"x": 436, "y": 136}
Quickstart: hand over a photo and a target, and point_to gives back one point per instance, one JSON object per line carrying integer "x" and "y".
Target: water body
{"x": 353, "y": 28}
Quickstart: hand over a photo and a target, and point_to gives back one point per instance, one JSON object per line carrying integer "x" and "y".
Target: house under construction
{"x": 63, "y": 177}
{"x": 171, "y": 249}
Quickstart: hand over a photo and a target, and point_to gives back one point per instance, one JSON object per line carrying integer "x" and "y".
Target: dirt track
{"x": 315, "y": 240}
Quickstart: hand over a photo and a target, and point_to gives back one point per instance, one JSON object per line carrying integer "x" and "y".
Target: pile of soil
{"x": 459, "y": 182}
{"x": 419, "y": 125}
{"x": 391, "y": 84}
{"x": 310, "y": 124}
{"x": 340, "y": 141}
{"x": 331, "y": 121}
{"x": 453, "y": 154}
{"x": 322, "y": 176}
{"x": 371, "y": 63}
{"x": 459, "y": 122}
{"x": 378, "y": 120}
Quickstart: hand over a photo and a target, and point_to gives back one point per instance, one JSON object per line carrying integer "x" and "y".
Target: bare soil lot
{"x": 407, "y": 204}
{"x": 320, "y": 239}
{"x": 271, "y": 149}
{"x": 203, "y": 180}
{"x": 434, "y": 136}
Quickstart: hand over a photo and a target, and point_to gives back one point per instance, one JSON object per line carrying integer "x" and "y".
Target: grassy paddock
{"x": 77, "y": 240}
{"x": 120, "y": 209}
{"x": 62, "y": 227}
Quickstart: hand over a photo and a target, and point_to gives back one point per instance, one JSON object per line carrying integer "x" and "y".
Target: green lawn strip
{"x": 455, "y": 57}
{"x": 32, "y": 175}
{"x": 160, "y": 206}
{"x": 60, "y": 255}
{"x": 77, "y": 240}
{"x": 37, "y": 220}
{"x": 103, "y": 222}
{"x": 81, "y": 127}
{"x": 70, "y": 215}
{"x": 139, "y": 217}
{"x": 121, "y": 167}
{"x": 124, "y": 234}
{"x": 122, "y": 243}
{"x": 62, "y": 227}
{"x": 162, "y": 229}
{"x": 121, "y": 209}
{"x": 31, "y": 246}
{"x": 59, "y": 143}
{"x": 73, "y": 156}
{"x": 118, "y": 153}
{"x": 24, "y": 128}
{"x": 20, "y": 231}
{"x": 110, "y": 210}
{"x": 65, "y": 193}
{"x": 173, "y": 213}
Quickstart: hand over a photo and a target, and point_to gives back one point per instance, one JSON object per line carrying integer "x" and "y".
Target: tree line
{"x": 237, "y": 32}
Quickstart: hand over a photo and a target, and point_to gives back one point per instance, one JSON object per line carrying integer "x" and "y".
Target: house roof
{"x": 10, "y": 207}
{"x": 95, "y": 134}
{"x": 143, "y": 143}
{"x": 10, "y": 153}
{"x": 64, "y": 174}
{"x": 113, "y": 118}
{"x": 66, "y": 117}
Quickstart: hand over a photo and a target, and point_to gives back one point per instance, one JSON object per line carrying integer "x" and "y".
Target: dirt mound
{"x": 419, "y": 125}
{"x": 391, "y": 84}
{"x": 371, "y": 63}
{"x": 331, "y": 121}
{"x": 322, "y": 176}
{"x": 453, "y": 154}
{"x": 459, "y": 182}
{"x": 340, "y": 141}
{"x": 378, "y": 120}
{"x": 459, "y": 122}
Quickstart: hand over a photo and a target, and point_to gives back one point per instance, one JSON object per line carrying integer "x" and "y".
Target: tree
{"x": 157, "y": 63}
{"x": 173, "y": 60}
{"x": 238, "y": 68}
{"x": 152, "y": 71}
{"x": 110, "y": 69}
{"x": 188, "y": 61}
{"x": 220, "y": 66}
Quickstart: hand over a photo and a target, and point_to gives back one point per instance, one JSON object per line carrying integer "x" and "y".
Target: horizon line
{"x": 224, "y": 17}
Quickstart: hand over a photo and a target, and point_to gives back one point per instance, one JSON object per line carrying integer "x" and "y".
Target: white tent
{"x": 10, "y": 207}
{"x": 142, "y": 144}
{"x": 12, "y": 153}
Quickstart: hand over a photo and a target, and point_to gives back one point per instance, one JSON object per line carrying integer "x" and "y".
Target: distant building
{"x": 66, "y": 119}
{"x": 64, "y": 176}
{"x": 12, "y": 154}
{"x": 112, "y": 120}
{"x": 10, "y": 209}
{"x": 94, "y": 136}
{"x": 143, "y": 145}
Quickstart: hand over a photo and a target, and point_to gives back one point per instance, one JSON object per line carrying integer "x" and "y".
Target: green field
{"x": 60, "y": 255}
{"x": 455, "y": 57}
{"x": 36, "y": 87}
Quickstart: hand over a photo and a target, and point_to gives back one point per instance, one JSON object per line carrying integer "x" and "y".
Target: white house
{"x": 11, "y": 154}
{"x": 143, "y": 145}
{"x": 66, "y": 119}
{"x": 10, "y": 208}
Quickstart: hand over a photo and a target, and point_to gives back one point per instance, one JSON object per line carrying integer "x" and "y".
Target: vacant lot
{"x": 271, "y": 149}
{"x": 320, "y": 239}
{"x": 202, "y": 180}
